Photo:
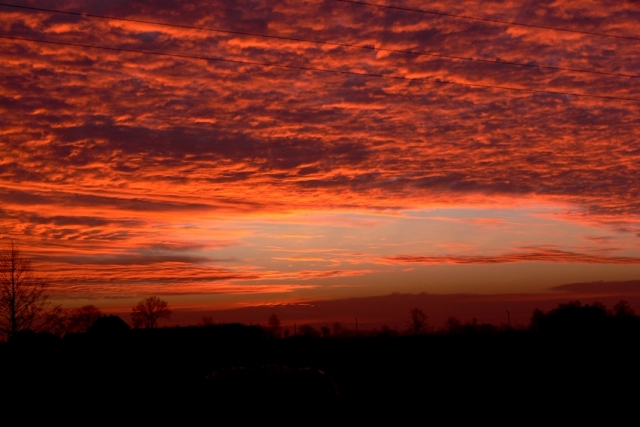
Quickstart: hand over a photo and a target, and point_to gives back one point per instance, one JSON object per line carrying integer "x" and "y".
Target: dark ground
{"x": 235, "y": 371}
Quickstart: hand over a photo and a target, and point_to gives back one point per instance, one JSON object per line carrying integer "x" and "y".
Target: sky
{"x": 229, "y": 155}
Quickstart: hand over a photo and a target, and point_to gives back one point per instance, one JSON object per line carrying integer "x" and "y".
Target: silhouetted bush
{"x": 572, "y": 317}
{"x": 308, "y": 331}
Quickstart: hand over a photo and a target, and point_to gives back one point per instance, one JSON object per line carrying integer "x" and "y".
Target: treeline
{"x": 576, "y": 349}
{"x": 569, "y": 318}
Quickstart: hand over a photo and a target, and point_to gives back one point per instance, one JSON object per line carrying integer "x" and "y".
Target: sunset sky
{"x": 263, "y": 152}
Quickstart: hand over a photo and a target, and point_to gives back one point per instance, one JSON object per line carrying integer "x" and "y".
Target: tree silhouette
{"x": 337, "y": 329}
{"x": 207, "y": 321}
{"x": 572, "y": 317}
{"x": 80, "y": 319}
{"x": 148, "y": 311}
{"x": 623, "y": 310}
{"x": 453, "y": 325}
{"x": 274, "y": 325}
{"x": 417, "y": 321}
{"x": 308, "y": 331}
{"x": 22, "y": 294}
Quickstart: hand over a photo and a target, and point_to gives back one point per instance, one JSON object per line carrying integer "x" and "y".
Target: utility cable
{"x": 321, "y": 42}
{"x": 322, "y": 70}
{"x": 495, "y": 21}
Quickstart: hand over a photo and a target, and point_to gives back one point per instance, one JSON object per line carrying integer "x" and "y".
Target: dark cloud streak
{"x": 532, "y": 255}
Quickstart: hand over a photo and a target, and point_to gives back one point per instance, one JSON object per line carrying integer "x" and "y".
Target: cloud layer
{"x": 107, "y": 153}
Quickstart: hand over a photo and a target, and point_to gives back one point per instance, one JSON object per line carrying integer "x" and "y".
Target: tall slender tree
{"x": 23, "y": 298}
{"x": 418, "y": 321}
{"x": 274, "y": 325}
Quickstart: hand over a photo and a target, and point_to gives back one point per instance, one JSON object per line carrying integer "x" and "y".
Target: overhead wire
{"x": 495, "y": 21}
{"x": 323, "y": 70}
{"x": 322, "y": 42}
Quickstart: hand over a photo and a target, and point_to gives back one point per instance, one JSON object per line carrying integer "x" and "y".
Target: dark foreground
{"x": 234, "y": 371}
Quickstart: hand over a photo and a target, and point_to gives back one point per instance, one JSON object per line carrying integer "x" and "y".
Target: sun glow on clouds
{"x": 126, "y": 174}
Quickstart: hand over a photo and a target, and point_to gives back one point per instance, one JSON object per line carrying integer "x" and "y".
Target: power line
{"x": 322, "y": 70}
{"x": 349, "y": 45}
{"x": 495, "y": 21}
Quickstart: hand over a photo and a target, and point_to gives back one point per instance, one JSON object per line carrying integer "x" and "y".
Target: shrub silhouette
{"x": 572, "y": 317}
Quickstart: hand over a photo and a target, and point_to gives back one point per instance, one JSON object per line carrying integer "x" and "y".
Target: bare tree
{"x": 417, "y": 321}
{"x": 623, "y": 310}
{"x": 207, "y": 321}
{"x": 453, "y": 325}
{"x": 80, "y": 319}
{"x": 22, "y": 294}
{"x": 148, "y": 311}
{"x": 325, "y": 331}
{"x": 273, "y": 325}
